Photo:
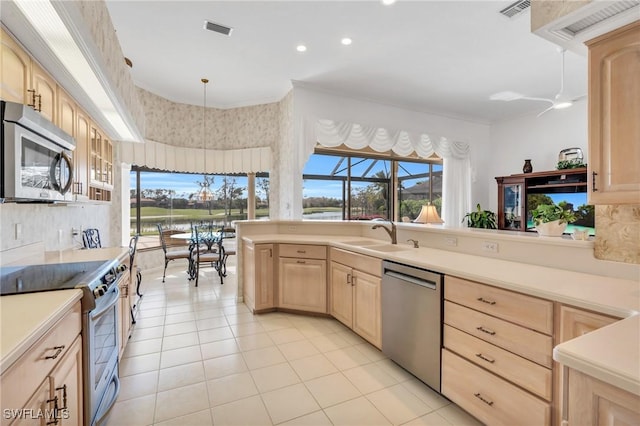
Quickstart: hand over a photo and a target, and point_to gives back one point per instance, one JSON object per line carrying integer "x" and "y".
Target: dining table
{"x": 209, "y": 239}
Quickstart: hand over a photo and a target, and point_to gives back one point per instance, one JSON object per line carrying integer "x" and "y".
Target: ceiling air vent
{"x": 212, "y": 26}
{"x": 589, "y": 21}
{"x": 516, "y": 8}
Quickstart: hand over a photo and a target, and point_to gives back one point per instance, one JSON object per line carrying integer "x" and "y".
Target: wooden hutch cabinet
{"x": 513, "y": 190}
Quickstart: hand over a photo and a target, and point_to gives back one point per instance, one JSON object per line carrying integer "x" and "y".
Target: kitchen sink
{"x": 388, "y": 248}
{"x": 361, "y": 242}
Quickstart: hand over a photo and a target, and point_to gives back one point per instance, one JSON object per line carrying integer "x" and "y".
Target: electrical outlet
{"x": 451, "y": 241}
{"x": 292, "y": 228}
{"x": 490, "y": 246}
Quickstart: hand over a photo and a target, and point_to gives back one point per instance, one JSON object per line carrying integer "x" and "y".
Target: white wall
{"x": 537, "y": 138}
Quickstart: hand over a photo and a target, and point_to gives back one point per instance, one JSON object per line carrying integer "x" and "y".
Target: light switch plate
{"x": 18, "y": 231}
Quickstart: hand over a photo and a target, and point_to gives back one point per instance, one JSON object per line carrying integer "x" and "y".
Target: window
{"x": 360, "y": 186}
{"x": 175, "y": 200}
{"x": 419, "y": 183}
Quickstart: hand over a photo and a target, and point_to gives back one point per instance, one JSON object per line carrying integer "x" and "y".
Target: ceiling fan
{"x": 560, "y": 101}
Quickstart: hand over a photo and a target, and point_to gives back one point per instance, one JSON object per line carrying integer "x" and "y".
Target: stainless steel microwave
{"x": 37, "y": 160}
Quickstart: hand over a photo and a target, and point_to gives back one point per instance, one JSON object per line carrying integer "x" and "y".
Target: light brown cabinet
{"x": 593, "y": 403}
{"x": 496, "y": 361}
{"x": 44, "y": 90}
{"x": 355, "y": 294}
{"x": 574, "y": 322}
{"x": 258, "y": 274}
{"x": 15, "y": 68}
{"x": 302, "y": 281}
{"x": 614, "y": 108}
{"x": 47, "y": 378}
{"x": 100, "y": 165}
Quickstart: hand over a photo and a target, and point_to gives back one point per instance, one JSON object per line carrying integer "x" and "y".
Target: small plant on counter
{"x": 549, "y": 212}
{"x": 570, "y": 164}
{"x": 481, "y": 219}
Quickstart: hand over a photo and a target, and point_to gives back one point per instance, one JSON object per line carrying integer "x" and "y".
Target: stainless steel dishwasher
{"x": 412, "y": 320}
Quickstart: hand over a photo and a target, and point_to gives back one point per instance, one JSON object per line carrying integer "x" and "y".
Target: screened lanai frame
{"x": 395, "y": 174}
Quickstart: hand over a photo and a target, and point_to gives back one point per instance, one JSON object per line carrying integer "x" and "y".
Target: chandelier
{"x": 205, "y": 193}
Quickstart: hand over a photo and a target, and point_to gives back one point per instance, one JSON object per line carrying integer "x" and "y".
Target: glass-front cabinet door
{"x": 511, "y": 204}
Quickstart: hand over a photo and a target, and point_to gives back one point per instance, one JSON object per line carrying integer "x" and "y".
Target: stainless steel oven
{"x": 100, "y": 334}
{"x": 36, "y": 157}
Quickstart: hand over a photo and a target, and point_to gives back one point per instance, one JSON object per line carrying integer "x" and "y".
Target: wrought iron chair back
{"x": 91, "y": 238}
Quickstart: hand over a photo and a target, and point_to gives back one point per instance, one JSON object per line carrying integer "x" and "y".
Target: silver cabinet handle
{"x": 485, "y": 358}
{"x": 486, "y": 330}
{"x": 480, "y": 397}
{"x": 300, "y": 261}
{"x": 58, "y": 349}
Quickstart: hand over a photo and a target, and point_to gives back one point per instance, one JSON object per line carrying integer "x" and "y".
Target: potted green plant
{"x": 552, "y": 219}
{"x": 481, "y": 219}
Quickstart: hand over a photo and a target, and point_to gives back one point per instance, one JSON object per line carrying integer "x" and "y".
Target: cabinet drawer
{"x": 521, "y": 309}
{"x": 368, "y": 264}
{"x": 305, "y": 251}
{"x": 491, "y": 399}
{"x": 519, "y": 340}
{"x": 28, "y": 372}
{"x": 528, "y": 375}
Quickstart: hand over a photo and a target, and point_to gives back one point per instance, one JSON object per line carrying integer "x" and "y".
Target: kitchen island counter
{"x": 607, "y": 295}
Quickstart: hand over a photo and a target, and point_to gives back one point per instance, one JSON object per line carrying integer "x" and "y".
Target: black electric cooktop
{"x": 60, "y": 276}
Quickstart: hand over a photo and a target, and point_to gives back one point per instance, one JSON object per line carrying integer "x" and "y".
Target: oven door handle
{"x": 115, "y": 297}
{"x": 98, "y": 421}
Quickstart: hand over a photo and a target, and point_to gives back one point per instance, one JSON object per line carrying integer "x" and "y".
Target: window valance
{"x": 331, "y": 134}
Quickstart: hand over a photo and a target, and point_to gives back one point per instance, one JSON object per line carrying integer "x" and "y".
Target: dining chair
{"x": 208, "y": 249}
{"x": 91, "y": 238}
{"x": 171, "y": 255}
{"x": 228, "y": 241}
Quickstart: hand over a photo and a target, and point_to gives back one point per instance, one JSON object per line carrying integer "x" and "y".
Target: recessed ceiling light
{"x": 301, "y": 48}
{"x": 346, "y": 41}
{"x": 388, "y": 2}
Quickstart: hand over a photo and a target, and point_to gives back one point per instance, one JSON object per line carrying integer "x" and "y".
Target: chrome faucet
{"x": 391, "y": 231}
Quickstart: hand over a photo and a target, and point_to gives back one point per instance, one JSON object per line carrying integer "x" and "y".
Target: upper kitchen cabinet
{"x": 100, "y": 165}
{"x": 25, "y": 81}
{"x": 614, "y": 108}
{"x": 43, "y": 92}
{"x": 15, "y": 66}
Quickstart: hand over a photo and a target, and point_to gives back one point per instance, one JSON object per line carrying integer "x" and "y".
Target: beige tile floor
{"x": 196, "y": 357}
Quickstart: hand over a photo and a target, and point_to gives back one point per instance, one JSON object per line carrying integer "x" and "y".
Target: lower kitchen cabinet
{"x": 355, "y": 294}
{"x": 497, "y": 365}
{"x": 574, "y": 322}
{"x": 46, "y": 381}
{"x": 302, "y": 277}
{"x": 258, "y": 279}
{"x": 593, "y": 402}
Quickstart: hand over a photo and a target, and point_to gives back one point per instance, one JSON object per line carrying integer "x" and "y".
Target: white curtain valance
{"x": 172, "y": 158}
{"x": 331, "y": 133}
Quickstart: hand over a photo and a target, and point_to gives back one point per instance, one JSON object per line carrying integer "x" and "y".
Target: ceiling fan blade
{"x": 577, "y": 98}
{"x": 529, "y": 98}
{"x": 546, "y": 110}
{"x": 506, "y": 96}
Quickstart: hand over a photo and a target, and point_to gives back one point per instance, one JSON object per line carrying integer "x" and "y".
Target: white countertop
{"x": 25, "y": 318}
{"x": 616, "y": 362}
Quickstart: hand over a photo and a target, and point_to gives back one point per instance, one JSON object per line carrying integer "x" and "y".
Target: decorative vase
{"x": 527, "y": 168}
{"x": 551, "y": 229}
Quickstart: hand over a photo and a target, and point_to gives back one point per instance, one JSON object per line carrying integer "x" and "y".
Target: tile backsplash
{"x": 618, "y": 233}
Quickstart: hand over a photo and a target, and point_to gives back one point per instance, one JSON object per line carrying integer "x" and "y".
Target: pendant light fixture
{"x": 205, "y": 185}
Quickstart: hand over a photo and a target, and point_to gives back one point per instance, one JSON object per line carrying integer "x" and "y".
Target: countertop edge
{"x": 586, "y": 354}
{"x": 40, "y": 330}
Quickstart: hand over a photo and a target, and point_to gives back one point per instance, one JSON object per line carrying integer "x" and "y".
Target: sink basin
{"x": 387, "y": 248}
{"x": 361, "y": 242}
